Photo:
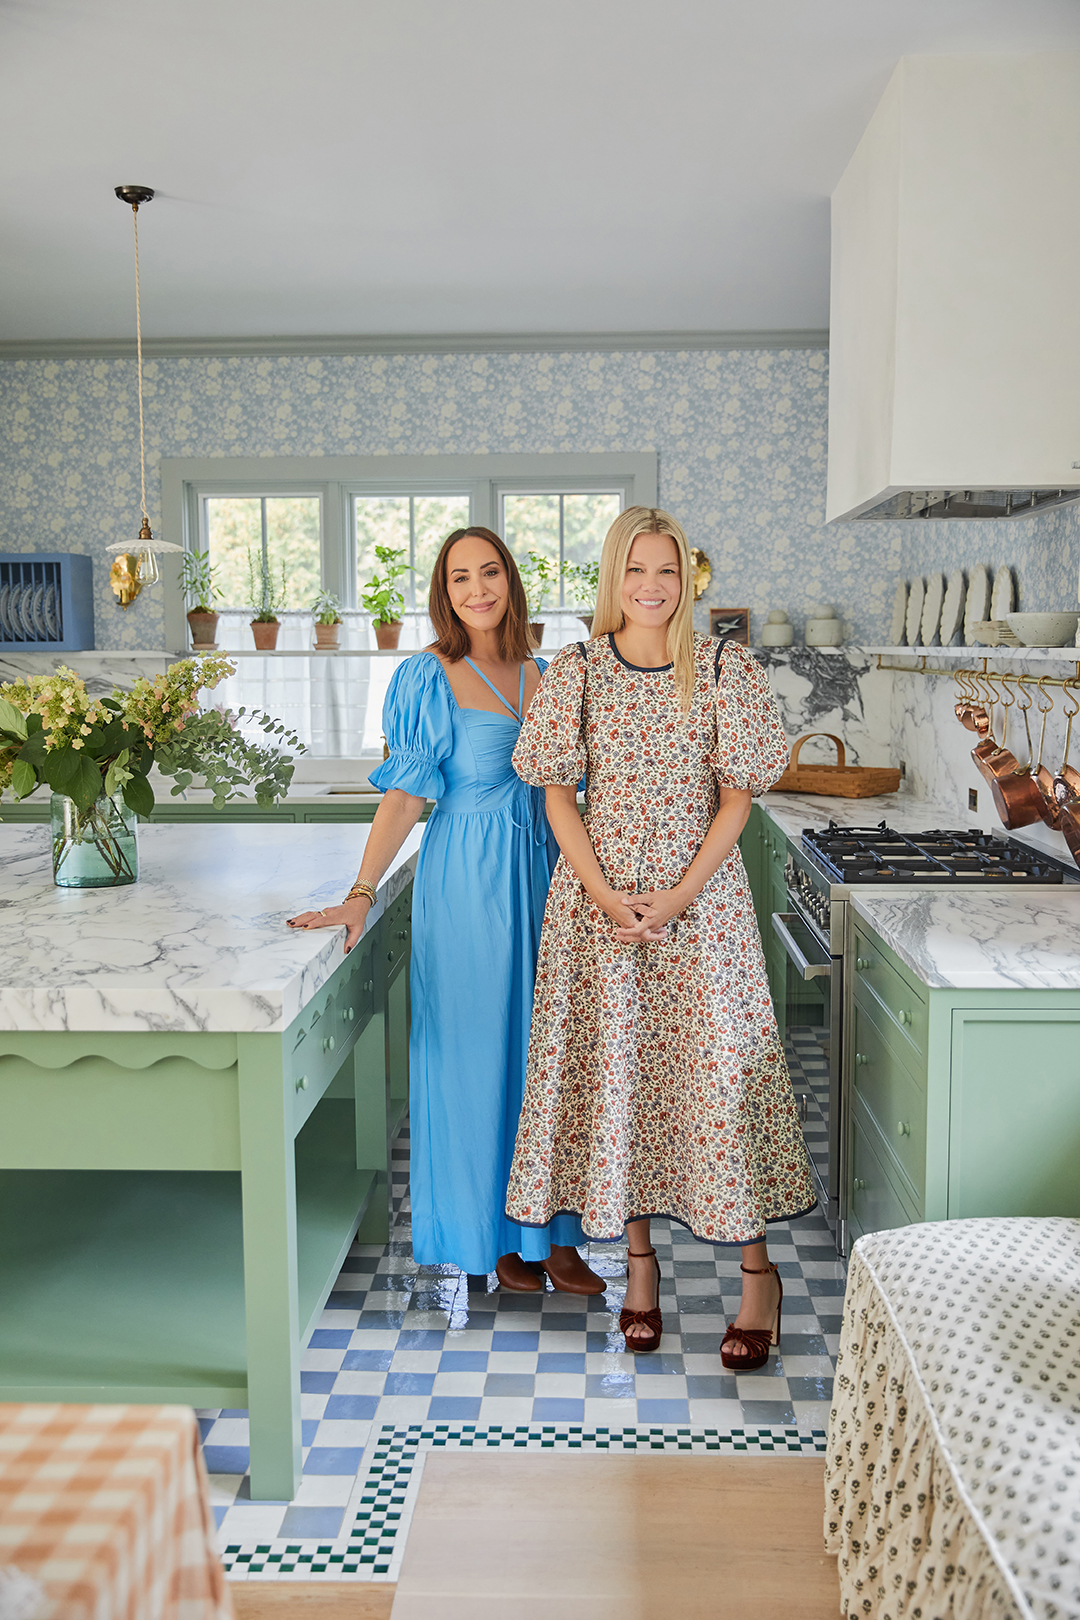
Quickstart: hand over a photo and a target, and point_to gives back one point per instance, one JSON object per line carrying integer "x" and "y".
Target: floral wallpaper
{"x": 741, "y": 438}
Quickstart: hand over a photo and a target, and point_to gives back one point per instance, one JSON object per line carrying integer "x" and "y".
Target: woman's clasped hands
{"x": 642, "y": 919}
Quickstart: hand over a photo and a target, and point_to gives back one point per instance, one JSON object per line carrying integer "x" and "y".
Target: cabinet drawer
{"x": 892, "y": 1098}
{"x": 876, "y": 980}
{"x": 874, "y": 1203}
{"x": 396, "y": 930}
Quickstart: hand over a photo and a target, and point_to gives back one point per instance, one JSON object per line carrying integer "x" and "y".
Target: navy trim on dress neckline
{"x": 639, "y": 669}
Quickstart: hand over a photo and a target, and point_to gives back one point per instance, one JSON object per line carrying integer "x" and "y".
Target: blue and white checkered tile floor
{"x": 405, "y": 1357}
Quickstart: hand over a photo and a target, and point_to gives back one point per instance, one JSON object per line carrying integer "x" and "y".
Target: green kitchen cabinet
{"x": 763, "y": 847}
{"x": 237, "y": 810}
{"x": 962, "y": 1103}
{"x": 175, "y": 1206}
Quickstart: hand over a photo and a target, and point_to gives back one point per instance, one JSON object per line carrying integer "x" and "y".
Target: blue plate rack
{"x": 46, "y": 602}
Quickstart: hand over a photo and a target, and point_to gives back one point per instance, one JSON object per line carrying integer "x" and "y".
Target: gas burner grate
{"x": 960, "y": 855}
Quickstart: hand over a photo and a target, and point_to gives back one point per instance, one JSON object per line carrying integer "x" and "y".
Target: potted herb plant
{"x": 584, "y": 581}
{"x": 268, "y": 598}
{"x": 197, "y": 578}
{"x": 538, "y": 574}
{"x": 95, "y": 753}
{"x": 327, "y": 611}
{"x": 384, "y": 600}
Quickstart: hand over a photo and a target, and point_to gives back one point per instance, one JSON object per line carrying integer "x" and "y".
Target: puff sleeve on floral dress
{"x": 550, "y": 750}
{"x": 751, "y": 748}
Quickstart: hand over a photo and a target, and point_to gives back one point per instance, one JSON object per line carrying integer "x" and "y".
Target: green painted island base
{"x": 175, "y": 1208}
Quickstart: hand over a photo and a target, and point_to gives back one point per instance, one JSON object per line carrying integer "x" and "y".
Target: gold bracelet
{"x": 360, "y": 890}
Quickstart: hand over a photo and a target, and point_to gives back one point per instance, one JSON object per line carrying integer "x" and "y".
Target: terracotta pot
{"x": 203, "y": 629}
{"x": 265, "y": 632}
{"x": 586, "y": 619}
{"x": 387, "y": 636}
{"x": 326, "y": 635}
{"x": 537, "y": 634}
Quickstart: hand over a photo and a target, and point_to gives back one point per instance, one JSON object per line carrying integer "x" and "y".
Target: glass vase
{"x": 96, "y": 848}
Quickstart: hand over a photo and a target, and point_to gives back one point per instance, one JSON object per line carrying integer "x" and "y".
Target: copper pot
{"x": 1040, "y": 772}
{"x": 1065, "y": 786}
{"x": 1069, "y": 824}
{"x": 1016, "y": 794}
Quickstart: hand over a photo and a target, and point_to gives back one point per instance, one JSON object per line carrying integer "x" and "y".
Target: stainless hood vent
{"x": 954, "y": 345}
{"x": 970, "y": 503}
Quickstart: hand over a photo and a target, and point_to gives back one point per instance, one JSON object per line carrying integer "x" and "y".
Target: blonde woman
{"x": 656, "y": 1081}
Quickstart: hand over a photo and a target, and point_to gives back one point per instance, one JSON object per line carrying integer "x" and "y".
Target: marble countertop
{"x": 198, "y": 943}
{"x": 973, "y": 939}
{"x": 792, "y": 812}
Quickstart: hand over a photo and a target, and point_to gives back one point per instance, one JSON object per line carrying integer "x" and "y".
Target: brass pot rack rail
{"x": 992, "y": 674}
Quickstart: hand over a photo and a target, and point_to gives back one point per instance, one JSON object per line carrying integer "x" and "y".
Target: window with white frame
{"x": 320, "y": 519}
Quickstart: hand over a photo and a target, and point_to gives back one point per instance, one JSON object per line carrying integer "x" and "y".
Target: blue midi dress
{"x": 482, "y": 878}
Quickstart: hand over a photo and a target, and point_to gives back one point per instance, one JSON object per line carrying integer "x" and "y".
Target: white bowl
{"x": 1043, "y": 629}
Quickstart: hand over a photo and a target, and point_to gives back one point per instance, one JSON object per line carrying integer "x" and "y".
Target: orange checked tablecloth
{"x": 107, "y": 1508}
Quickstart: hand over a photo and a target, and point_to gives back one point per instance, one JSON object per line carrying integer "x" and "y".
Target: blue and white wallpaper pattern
{"x": 741, "y": 438}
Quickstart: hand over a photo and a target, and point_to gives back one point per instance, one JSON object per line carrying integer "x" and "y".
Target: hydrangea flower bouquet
{"x": 96, "y": 753}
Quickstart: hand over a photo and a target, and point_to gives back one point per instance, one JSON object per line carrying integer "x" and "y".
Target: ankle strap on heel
{"x": 644, "y": 1255}
{"x": 758, "y": 1271}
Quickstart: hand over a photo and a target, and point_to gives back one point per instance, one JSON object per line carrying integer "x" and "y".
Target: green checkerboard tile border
{"x": 373, "y": 1546}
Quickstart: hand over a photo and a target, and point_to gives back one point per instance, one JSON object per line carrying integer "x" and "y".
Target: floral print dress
{"x": 656, "y": 1080}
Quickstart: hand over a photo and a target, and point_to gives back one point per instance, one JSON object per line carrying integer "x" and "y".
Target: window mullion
{"x": 562, "y": 539}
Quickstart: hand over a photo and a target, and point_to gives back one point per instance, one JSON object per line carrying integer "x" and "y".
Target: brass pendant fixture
{"x": 136, "y": 566}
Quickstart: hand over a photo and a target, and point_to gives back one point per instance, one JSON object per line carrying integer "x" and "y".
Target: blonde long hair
{"x": 613, "y": 560}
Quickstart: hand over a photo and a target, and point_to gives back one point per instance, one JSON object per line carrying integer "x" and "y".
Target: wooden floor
{"x": 312, "y": 1600}
{"x": 580, "y": 1537}
{"x": 586, "y": 1537}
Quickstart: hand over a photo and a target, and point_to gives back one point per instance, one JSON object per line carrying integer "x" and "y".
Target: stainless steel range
{"x": 820, "y": 872}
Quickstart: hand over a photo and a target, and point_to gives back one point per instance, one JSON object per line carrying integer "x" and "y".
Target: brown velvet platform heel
{"x": 651, "y": 1319}
{"x": 758, "y": 1341}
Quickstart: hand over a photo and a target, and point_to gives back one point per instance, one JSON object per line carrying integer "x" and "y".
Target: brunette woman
{"x": 451, "y": 720}
{"x": 657, "y": 1083}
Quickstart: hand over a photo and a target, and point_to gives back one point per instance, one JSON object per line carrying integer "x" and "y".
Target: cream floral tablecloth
{"x": 107, "y": 1509}
{"x": 953, "y": 1467}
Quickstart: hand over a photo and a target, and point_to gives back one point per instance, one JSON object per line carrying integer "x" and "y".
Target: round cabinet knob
{"x": 862, "y": 963}
{"x": 346, "y": 1015}
{"x": 369, "y": 984}
{"x": 860, "y": 1059}
{"x": 301, "y": 1084}
{"x": 402, "y": 934}
{"x": 904, "y": 1017}
{"x": 328, "y": 1044}
{"x": 859, "y": 1186}
{"x": 903, "y": 1128}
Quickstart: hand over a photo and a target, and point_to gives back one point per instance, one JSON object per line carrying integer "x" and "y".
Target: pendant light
{"x": 137, "y": 566}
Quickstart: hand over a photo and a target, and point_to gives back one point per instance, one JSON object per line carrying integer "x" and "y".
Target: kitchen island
{"x": 195, "y": 1108}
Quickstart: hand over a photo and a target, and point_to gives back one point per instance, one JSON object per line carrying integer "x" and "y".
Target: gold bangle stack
{"x": 360, "y": 890}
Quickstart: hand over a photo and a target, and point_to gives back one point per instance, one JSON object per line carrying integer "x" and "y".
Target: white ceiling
{"x": 365, "y": 166}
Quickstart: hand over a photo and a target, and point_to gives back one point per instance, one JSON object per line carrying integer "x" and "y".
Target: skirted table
{"x": 195, "y": 1109}
{"x": 106, "y": 1511}
{"x": 953, "y": 1467}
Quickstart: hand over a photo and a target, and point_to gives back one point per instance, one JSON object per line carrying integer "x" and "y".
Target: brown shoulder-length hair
{"x": 451, "y": 636}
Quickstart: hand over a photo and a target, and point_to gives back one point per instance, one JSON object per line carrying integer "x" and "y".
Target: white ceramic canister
{"x": 777, "y": 631}
{"x": 823, "y": 628}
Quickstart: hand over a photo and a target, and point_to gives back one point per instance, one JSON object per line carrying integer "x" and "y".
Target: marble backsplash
{"x": 906, "y": 718}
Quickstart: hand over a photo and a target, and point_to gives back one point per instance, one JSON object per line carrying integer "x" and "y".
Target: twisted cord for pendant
{"x": 138, "y": 343}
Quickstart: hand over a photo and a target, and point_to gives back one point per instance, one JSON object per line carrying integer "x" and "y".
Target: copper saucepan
{"x": 1016, "y": 794}
{"x": 1066, "y": 789}
{"x": 1041, "y": 773}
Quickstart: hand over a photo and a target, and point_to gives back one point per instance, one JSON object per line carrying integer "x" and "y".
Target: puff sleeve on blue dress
{"x": 418, "y": 726}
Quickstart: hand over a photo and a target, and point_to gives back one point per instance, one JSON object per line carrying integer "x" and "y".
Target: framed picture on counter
{"x": 730, "y": 624}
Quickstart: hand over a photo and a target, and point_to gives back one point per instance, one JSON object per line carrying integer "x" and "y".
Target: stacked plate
{"x": 28, "y": 611}
{"x": 935, "y": 610}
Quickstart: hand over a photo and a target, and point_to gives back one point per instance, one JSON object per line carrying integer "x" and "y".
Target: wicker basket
{"x": 840, "y": 781}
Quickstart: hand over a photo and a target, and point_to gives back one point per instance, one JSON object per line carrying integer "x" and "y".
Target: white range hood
{"x": 955, "y": 324}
